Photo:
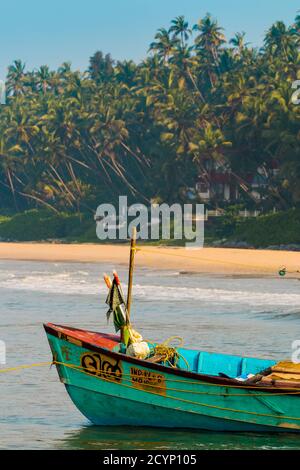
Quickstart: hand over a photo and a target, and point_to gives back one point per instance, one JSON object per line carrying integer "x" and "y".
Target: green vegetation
{"x": 267, "y": 230}
{"x": 41, "y": 225}
{"x": 282, "y": 228}
{"x": 72, "y": 140}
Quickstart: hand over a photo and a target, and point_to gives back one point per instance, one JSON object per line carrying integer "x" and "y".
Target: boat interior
{"x": 201, "y": 362}
{"x": 210, "y": 363}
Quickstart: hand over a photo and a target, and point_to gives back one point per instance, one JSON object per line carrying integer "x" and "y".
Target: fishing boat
{"x": 119, "y": 379}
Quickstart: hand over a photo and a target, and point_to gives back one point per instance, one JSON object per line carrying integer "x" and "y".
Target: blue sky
{"x": 52, "y": 32}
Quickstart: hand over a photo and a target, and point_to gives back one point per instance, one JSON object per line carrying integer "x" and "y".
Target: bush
{"x": 36, "y": 225}
{"x": 273, "y": 229}
{"x": 282, "y": 228}
{"x": 220, "y": 227}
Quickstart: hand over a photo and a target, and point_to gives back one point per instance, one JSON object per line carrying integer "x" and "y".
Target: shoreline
{"x": 206, "y": 260}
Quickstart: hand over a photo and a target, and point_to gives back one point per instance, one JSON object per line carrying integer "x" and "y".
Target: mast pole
{"x": 130, "y": 273}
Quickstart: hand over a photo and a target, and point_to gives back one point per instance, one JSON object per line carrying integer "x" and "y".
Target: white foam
{"x": 70, "y": 283}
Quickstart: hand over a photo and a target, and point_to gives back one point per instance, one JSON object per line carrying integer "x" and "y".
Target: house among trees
{"x": 221, "y": 184}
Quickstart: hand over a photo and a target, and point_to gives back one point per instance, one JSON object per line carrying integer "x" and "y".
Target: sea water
{"x": 256, "y": 316}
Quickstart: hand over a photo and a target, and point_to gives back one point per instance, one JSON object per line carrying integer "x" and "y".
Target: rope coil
{"x": 169, "y": 354}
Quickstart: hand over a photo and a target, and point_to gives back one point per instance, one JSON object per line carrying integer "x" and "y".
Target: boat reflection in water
{"x": 141, "y": 438}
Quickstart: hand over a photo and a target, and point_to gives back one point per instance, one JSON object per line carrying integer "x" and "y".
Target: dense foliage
{"x": 70, "y": 140}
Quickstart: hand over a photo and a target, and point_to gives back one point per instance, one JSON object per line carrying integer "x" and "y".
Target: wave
{"x": 78, "y": 283}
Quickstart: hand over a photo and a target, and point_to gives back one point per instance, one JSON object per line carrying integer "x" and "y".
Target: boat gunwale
{"x": 53, "y": 330}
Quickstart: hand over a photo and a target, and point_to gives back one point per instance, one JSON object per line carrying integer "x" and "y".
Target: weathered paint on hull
{"x": 172, "y": 400}
{"x": 104, "y": 410}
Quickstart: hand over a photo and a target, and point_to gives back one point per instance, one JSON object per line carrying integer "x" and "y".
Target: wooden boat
{"x": 203, "y": 390}
{"x": 111, "y": 388}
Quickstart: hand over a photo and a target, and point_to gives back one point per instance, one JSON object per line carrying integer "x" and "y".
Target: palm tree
{"x": 70, "y": 138}
{"x": 64, "y": 70}
{"x": 180, "y": 27}
{"x": 238, "y": 42}
{"x": 16, "y": 78}
{"x": 43, "y": 78}
{"x": 184, "y": 68}
{"x": 101, "y": 67}
{"x": 297, "y": 23}
{"x": 210, "y": 37}
{"x": 163, "y": 45}
{"x": 279, "y": 40}
{"x": 208, "y": 44}
{"x": 10, "y": 161}
{"x": 126, "y": 72}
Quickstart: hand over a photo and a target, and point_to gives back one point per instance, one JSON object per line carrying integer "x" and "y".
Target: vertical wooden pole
{"x": 130, "y": 273}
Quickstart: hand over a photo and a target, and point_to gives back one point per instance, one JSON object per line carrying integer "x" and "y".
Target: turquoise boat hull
{"x": 110, "y": 388}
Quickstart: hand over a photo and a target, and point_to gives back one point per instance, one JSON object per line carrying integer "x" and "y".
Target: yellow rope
{"x": 169, "y": 353}
{"x": 189, "y": 401}
{"x": 26, "y": 366}
{"x": 293, "y": 390}
{"x": 174, "y": 398}
{"x": 202, "y": 258}
{"x": 190, "y": 382}
{"x": 146, "y": 250}
{"x": 113, "y": 374}
{"x": 82, "y": 370}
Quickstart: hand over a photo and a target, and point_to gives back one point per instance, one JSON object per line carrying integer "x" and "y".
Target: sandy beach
{"x": 206, "y": 260}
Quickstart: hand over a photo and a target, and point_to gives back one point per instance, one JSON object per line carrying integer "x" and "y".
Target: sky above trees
{"x": 50, "y": 33}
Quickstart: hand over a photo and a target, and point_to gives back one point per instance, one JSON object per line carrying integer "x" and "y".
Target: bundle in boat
{"x": 283, "y": 374}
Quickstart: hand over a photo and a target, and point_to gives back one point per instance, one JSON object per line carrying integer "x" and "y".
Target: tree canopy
{"x": 71, "y": 140}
